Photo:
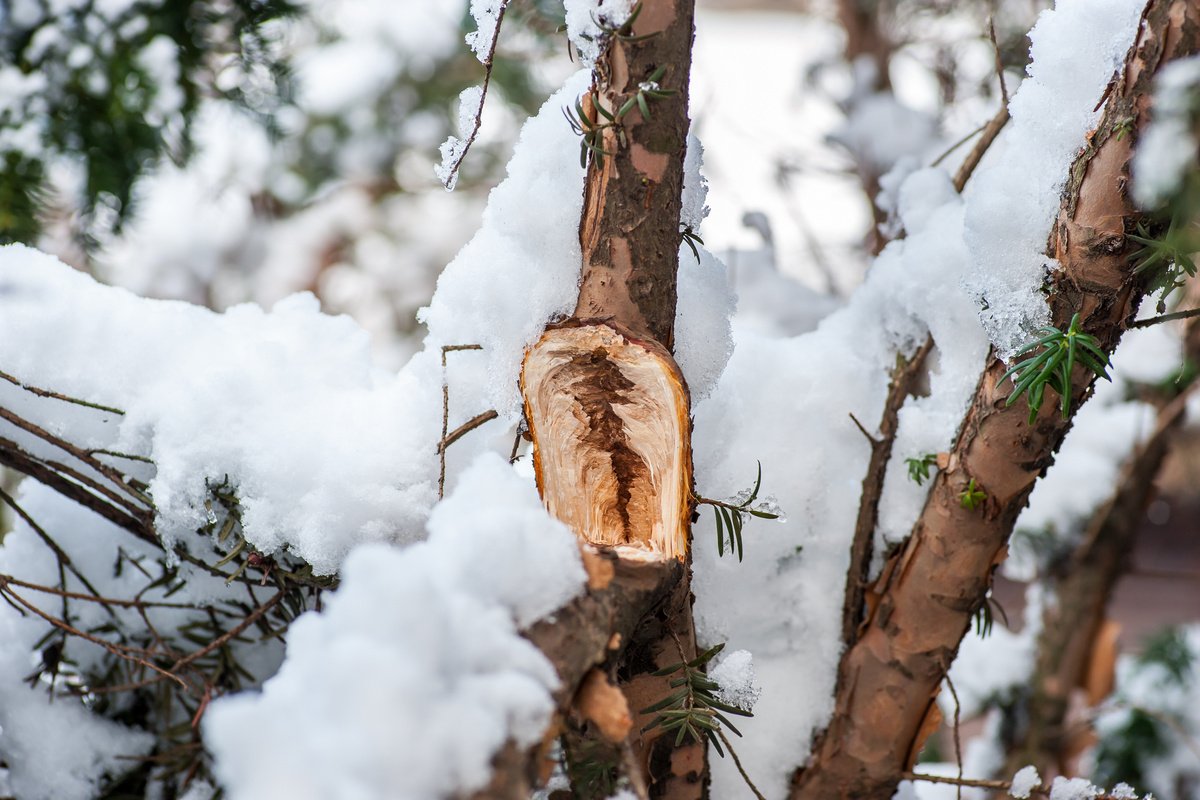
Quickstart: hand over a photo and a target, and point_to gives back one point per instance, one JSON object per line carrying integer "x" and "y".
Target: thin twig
{"x": 116, "y": 476}
{"x": 990, "y": 132}
{"x": 449, "y": 178}
{"x": 118, "y": 454}
{"x": 232, "y": 632}
{"x": 1000, "y": 786}
{"x": 1146, "y": 323}
{"x": 94, "y": 598}
{"x": 966, "y": 138}
{"x": 903, "y": 384}
{"x": 862, "y": 429}
{"x": 737, "y": 762}
{"x": 59, "y": 553}
{"x": 449, "y": 348}
{"x": 957, "y": 739}
{"x": 118, "y": 650}
{"x": 57, "y": 396}
{"x": 465, "y": 428}
{"x": 999, "y": 61}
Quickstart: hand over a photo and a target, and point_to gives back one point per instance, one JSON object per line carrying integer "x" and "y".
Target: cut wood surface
{"x": 608, "y": 415}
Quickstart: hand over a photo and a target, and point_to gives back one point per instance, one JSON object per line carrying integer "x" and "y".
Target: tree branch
{"x": 941, "y": 576}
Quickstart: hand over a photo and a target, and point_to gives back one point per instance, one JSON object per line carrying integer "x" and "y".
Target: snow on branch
{"x": 488, "y": 14}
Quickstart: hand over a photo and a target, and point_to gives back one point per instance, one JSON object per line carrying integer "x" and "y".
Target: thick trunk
{"x": 608, "y": 409}
{"x": 888, "y": 680}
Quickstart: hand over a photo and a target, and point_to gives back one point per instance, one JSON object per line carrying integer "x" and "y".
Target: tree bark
{"x": 608, "y": 409}
{"x": 935, "y": 583}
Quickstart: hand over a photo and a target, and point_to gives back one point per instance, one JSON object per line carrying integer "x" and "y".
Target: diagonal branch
{"x": 889, "y": 678}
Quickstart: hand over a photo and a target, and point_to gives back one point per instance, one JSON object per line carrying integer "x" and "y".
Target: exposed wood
{"x": 889, "y": 679}
{"x": 611, "y": 438}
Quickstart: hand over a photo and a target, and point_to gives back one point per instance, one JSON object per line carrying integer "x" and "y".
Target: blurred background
{"x": 230, "y": 151}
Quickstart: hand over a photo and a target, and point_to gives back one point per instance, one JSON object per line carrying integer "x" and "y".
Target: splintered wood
{"x": 608, "y": 415}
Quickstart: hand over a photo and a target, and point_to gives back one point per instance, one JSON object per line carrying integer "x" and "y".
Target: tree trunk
{"x": 608, "y": 409}
{"x": 889, "y": 679}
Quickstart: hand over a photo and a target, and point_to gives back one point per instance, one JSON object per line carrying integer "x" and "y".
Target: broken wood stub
{"x": 608, "y": 415}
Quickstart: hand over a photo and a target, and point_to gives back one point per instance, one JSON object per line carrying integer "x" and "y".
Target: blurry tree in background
{"x": 267, "y": 122}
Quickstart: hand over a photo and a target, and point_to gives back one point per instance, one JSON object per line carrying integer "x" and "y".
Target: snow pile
{"x": 1024, "y": 782}
{"x": 735, "y": 673}
{"x": 1168, "y": 147}
{"x": 417, "y": 662}
{"x": 321, "y": 448}
{"x": 784, "y": 402}
{"x": 1076, "y": 47}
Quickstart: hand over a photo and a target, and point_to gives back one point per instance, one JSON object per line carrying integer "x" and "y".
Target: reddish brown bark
{"x": 608, "y": 409}
{"x": 630, "y": 226}
{"x": 889, "y": 679}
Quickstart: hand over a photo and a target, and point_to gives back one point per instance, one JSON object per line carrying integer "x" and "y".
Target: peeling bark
{"x": 632, "y": 199}
{"x": 889, "y": 679}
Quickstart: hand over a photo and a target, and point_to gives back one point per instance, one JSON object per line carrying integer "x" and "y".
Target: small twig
{"x": 946, "y": 153}
{"x": 132, "y": 654}
{"x": 57, "y": 396}
{"x": 232, "y": 632}
{"x": 903, "y": 384}
{"x": 1146, "y": 323}
{"x": 94, "y": 598}
{"x": 103, "y": 469}
{"x": 1000, "y": 786}
{"x": 449, "y": 178}
{"x": 957, "y": 739}
{"x": 999, "y": 61}
{"x": 118, "y": 454}
{"x": 59, "y": 553}
{"x": 990, "y": 132}
{"x": 512, "y": 457}
{"x": 863, "y": 430}
{"x": 465, "y": 428}
{"x": 449, "y": 348}
{"x": 737, "y": 762}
